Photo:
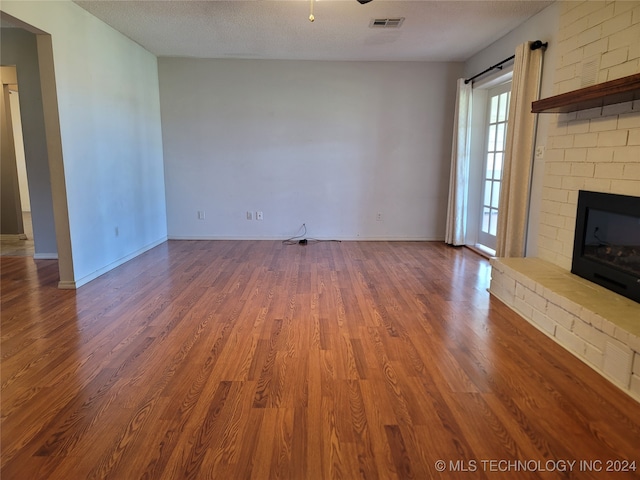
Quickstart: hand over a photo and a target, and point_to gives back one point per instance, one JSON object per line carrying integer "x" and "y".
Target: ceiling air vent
{"x": 386, "y": 22}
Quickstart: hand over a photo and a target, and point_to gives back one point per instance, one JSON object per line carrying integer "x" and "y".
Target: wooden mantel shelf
{"x": 624, "y": 89}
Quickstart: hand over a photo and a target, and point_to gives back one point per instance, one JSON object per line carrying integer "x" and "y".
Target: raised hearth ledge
{"x": 598, "y": 326}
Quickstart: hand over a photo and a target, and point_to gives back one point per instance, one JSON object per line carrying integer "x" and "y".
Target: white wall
{"x": 543, "y": 26}
{"x": 329, "y": 144}
{"x": 109, "y": 111}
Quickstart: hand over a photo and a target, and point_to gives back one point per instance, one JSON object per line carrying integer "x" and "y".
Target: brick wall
{"x": 597, "y": 149}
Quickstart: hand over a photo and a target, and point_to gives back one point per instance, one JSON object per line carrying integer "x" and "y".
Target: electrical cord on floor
{"x": 315, "y": 240}
{"x": 294, "y": 240}
{"x": 299, "y": 239}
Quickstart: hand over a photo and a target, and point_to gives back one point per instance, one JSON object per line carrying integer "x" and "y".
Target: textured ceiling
{"x": 444, "y": 30}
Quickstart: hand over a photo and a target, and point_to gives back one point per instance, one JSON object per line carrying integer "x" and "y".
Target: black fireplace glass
{"x": 607, "y": 242}
{"x": 613, "y": 239}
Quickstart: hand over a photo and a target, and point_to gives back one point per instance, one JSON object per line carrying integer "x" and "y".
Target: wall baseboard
{"x": 13, "y": 236}
{"x": 67, "y": 285}
{"x": 73, "y": 285}
{"x": 342, "y": 239}
{"x": 45, "y": 256}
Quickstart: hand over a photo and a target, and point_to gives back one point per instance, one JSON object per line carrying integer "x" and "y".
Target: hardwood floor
{"x": 234, "y": 360}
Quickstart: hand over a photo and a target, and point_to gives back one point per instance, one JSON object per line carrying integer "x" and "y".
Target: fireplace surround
{"x": 606, "y": 247}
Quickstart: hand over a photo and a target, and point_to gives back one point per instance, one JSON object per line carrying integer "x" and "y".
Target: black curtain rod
{"x": 534, "y": 46}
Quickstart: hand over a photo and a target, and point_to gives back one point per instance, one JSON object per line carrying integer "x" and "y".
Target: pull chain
{"x": 311, "y": 17}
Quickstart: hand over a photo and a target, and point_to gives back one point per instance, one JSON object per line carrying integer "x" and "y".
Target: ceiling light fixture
{"x": 312, "y": 17}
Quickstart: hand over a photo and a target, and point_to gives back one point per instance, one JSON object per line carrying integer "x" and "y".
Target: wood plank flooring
{"x": 239, "y": 360}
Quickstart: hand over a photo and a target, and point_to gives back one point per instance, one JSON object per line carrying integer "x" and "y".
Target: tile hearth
{"x": 598, "y": 326}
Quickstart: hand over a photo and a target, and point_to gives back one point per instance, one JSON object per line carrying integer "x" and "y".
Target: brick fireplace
{"x": 596, "y": 150}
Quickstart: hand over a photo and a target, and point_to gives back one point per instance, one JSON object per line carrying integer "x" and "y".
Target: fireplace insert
{"x": 606, "y": 249}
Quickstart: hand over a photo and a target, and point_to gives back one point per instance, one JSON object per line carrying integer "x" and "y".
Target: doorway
{"x": 31, "y": 51}
{"x": 490, "y": 111}
{"x": 495, "y": 141}
{"x": 17, "y": 232}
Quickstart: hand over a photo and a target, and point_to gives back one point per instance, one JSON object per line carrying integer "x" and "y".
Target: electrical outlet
{"x": 539, "y": 152}
{"x": 378, "y": 217}
{"x": 200, "y": 214}
{"x": 259, "y": 216}
{"x": 249, "y": 215}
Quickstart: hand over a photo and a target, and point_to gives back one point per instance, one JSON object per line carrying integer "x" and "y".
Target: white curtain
{"x": 513, "y": 208}
{"x": 459, "y": 177}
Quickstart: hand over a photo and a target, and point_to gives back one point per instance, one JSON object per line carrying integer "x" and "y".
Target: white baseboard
{"x": 13, "y": 236}
{"x": 72, "y": 285}
{"x": 342, "y": 239}
{"x": 45, "y": 256}
{"x": 67, "y": 285}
